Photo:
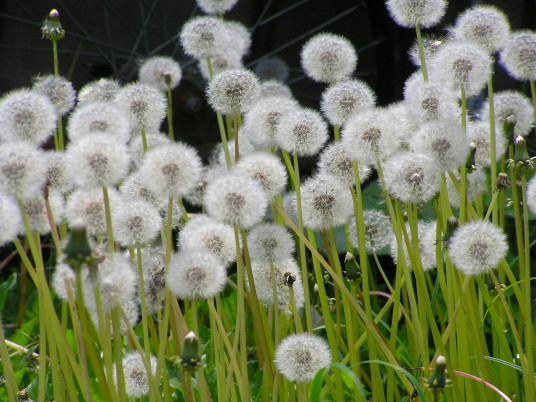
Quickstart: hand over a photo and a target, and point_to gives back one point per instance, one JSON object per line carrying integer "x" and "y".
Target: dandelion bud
{"x": 438, "y": 380}
{"x": 477, "y": 247}
{"x": 269, "y": 242}
{"x": 470, "y": 163}
{"x": 233, "y": 91}
{"x": 190, "y": 358}
{"x": 27, "y": 116}
{"x": 196, "y": 274}
{"x": 452, "y": 225}
{"x": 59, "y": 90}
{"x": 99, "y": 118}
{"x": 289, "y": 279}
{"x": 51, "y": 28}
{"x": 216, "y": 6}
{"x": 462, "y": 66}
{"x": 160, "y": 72}
{"x": 299, "y": 357}
{"x": 302, "y": 132}
{"x": 203, "y": 232}
{"x": 10, "y": 219}
{"x": 478, "y": 134}
{"x": 201, "y": 37}
{"x": 521, "y": 154}
{"x": 502, "y": 184}
{"x": 272, "y": 69}
{"x": 23, "y": 169}
{"x": 485, "y": 25}
{"x": 411, "y": 13}
{"x": 352, "y": 268}
{"x": 328, "y": 58}
{"x": 345, "y": 98}
{"x": 102, "y": 90}
{"x": 135, "y": 374}
{"x": 378, "y": 229}
{"x": 519, "y": 55}
{"x": 78, "y": 252}
{"x": 236, "y": 199}
{"x": 145, "y": 105}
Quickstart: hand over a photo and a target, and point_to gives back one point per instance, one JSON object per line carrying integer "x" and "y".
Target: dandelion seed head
{"x": 153, "y": 138}
{"x": 135, "y": 374}
{"x": 378, "y": 230}
{"x": 412, "y": 13}
{"x": 36, "y": 211}
{"x": 58, "y": 90}
{"x": 265, "y": 168}
{"x": 270, "y": 242}
{"x": 221, "y": 61}
{"x": 136, "y": 223}
{"x": 160, "y": 72}
{"x": 154, "y": 277}
{"x": 201, "y": 37}
{"x": 86, "y": 207}
{"x": 519, "y": 55}
{"x": 102, "y": 90}
{"x": 476, "y": 185}
{"x": 238, "y": 34}
{"x": 426, "y": 233}
{"x": 144, "y": 104}
{"x": 216, "y": 7}
{"x": 478, "y": 134}
{"x": 335, "y": 161}
{"x": 99, "y": 118}
{"x": 272, "y": 69}
{"x": 10, "y": 219}
{"x": 233, "y": 91}
{"x": 274, "y": 88}
{"x": 431, "y": 45}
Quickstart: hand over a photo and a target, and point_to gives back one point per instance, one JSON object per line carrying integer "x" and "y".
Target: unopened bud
{"x": 289, "y": 279}
{"x": 353, "y": 271}
{"x": 51, "y": 28}
{"x": 502, "y": 183}
{"x": 470, "y": 163}
{"x": 190, "y": 357}
{"x": 78, "y": 252}
{"x": 438, "y": 381}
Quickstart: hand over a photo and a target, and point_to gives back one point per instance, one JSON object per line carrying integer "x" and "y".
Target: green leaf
{"x": 347, "y": 375}
{"x": 5, "y": 288}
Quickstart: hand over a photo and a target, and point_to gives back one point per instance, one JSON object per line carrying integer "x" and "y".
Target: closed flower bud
{"x": 301, "y": 132}
{"x": 236, "y": 199}
{"x": 51, "y": 28}
{"x": 160, "y": 72}
{"x": 102, "y": 90}
{"x": 190, "y": 358}
{"x": 486, "y": 25}
{"x": 270, "y": 242}
{"x": 502, "y": 184}
{"x": 59, "y": 91}
{"x": 233, "y": 91}
{"x": 145, "y": 105}
{"x": 99, "y": 118}
{"x": 345, "y": 98}
{"x": 519, "y": 55}
{"x": 201, "y": 37}
{"x": 196, "y": 274}
{"x": 328, "y": 58}
{"x": 27, "y": 116}
{"x": 326, "y": 202}
{"x": 203, "y": 232}
{"x": 299, "y": 357}
{"x": 477, "y": 247}
{"x": 412, "y": 13}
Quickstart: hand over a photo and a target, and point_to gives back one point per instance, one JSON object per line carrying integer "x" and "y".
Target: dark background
{"x": 110, "y": 38}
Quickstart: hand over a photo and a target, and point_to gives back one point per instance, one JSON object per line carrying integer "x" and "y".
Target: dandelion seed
{"x": 328, "y": 58}
{"x": 233, "y": 91}
{"x": 477, "y": 247}
{"x": 300, "y": 356}
{"x": 160, "y": 72}
{"x": 412, "y": 13}
{"x": 196, "y": 274}
{"x": 59, "y": 91}
{"x": 27, "y": 116}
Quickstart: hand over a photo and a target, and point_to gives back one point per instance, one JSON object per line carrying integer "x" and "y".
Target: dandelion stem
{"x": 171, "y": 132}
{"x": 421, "y": 53}
{"x": 492, "y": 148}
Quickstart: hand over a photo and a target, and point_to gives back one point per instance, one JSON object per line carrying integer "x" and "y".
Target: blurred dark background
{"x": 110, "y": 38}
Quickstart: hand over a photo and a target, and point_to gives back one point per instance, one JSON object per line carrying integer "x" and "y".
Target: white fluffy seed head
{"x": 345, "y": 98}
{"x": 203, "y": 232}
{"x": 411, "y": 177}
{"x": 144, "y": 104}
{"x": 239, "y": 36}
{"x": 478, "y": 135}
{"x": 378, "y": 230}
{"x": 335, "y": 161}
{"x": 216, "y": 6}
{"x": 486, "y": 25}
{"x": 531, "y": 194}
{"x": 223, "y": 60}
{"x": 290, "y": 206}
{"x": 369, "y": 135}
{"x": 426, "y": 233}
{"x": 430, "y": 44}
{"x": 236, "y": 199}
{"x": 201, "y": 37}
{"x": 27, "y": 116}
{"x": 56, "y": 174}
{"x": 269, "y": 242}
{"x": 154, "y": 139}
{"x": 135, "y": 374}
{"x": 272, "y": 69}
{"x": 445, "y": 141}
{"x": 328, "y": 58}
{"x": 477, "y": 247}
{"x": 136, "y": 223}
{"x": 160, "y": 72}
{"x": 302, "y": 132}
{"x": 233, "y": 91}
{"x": 244, "y": 145}
{"x": 283, "y": 269}
{"x": 300, "y": 356}
{"x": 511, "y": 105}
{"x": 265, "y": 168}
{"x": 99, "y": 118}
{"x": 36, "y": 210}
{"x": 326, "y": 202}
{"x": 23, "y": 169}
{"x": 59, "y": 91}
{"x": 518, "y": 56}
{"x": 406, "y": 125}
{"x": 102, "y": 90}
{"x": 476, "y": 185}
{"x": 98, "y": 160}
{"x": 154, "y": 277}
{"x": 412, "y": 13}
{"x": 196, "y": 274}
{"x": 171, "y": 170}
{"x": 10, "y": 219}
{"x": 86, "y": 208}
{"x": 274, "y": 88}
{"x": 461, "y": 65}
{"x": 429, "y": 100}
{"x": 264, "y": 116}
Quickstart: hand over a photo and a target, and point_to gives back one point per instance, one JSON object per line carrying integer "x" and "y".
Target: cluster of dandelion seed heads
{"x": 161, "y": 72}
{"x": 477, "y": 247}
{"x": 328, "y": 58}
{"x": 300, "y": 356}
{"x": 233, "y": 91}
{"x": 412, "y": 13}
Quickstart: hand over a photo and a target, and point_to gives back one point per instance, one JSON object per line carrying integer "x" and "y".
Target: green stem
{"x": 492, "y": 149}
{"x": 171, "y": 132}
{"x": 109, "y": 229}
{"x": 421, "y": 53}
{"x": 55, "y": 56}
{"x": 144, "y": 318}
{"x": 144, "y": 139}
